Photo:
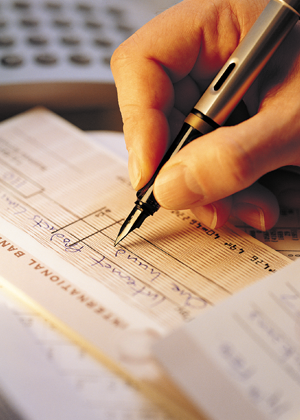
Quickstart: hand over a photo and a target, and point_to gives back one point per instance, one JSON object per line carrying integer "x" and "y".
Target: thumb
{"x": 224, "y": 162}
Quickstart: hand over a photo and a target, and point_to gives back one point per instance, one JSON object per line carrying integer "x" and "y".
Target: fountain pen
{"x": 223, "y": 94}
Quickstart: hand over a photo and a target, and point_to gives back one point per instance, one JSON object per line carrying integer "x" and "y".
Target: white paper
{"x": 62, "y": 202}
{"x": 24, "y": 371}
{"x": 241, "y": 359}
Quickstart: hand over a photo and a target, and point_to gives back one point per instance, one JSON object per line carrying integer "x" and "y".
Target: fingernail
{"x": 207, "y": 215}
{"x": 175, "y": 187}
{"x": 214, "y": 221}
{"x": 250, "y": 214}
{"x": 134, "y": 169}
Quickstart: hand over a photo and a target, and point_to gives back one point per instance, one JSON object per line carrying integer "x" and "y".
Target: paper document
{"x": 62, "y": 202}
{"x": 87, "y": 382}
{"x": 28, "y": 398}
{"x": 104, "y": 393}
{"x": 244, "y": 354}
{"x": 283, "y": 237}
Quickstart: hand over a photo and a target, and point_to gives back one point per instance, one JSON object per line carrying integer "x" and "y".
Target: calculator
{"x": 57, "y": 53}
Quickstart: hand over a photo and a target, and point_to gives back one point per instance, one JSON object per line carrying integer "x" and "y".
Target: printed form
{"x": 250, "y": 346}
{"x": 62, "y": 202}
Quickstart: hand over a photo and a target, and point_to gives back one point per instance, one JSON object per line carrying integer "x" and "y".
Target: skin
{"x": 160, "y": 73}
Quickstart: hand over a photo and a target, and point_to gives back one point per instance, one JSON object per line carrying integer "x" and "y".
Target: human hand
{"x": 160, "y": 73}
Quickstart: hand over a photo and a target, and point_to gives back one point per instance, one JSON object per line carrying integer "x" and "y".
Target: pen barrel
{"x": 243, "y": 66}
{"x": 145, "y": 197}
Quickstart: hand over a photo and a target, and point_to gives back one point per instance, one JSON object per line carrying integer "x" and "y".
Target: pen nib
{"x": 133, "y": 221}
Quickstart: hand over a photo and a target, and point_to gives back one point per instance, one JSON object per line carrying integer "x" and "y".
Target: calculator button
{"x": 62, "y": 23}
{"x": 12, "y": 60}
{"x": 82, "y": 7}
{"x": 47, "y": 59}
{"x": 106, "y": 60}
{"x": 29, "y": 22}
{"x": 93, "y": 24}
{"x": 37, "y": 40}
{"x": 6, "y": 41}
{"x": 116, "y": 11}
{"x": 103, "y": 42}
{"x": 70, "y": 40}
{"x": 125, "y": 28}
{"x": 21, "y": 4}
{"x": 80, "y": 59}
{"x": 3, "y": 23}
{"x": 53, "y": 5}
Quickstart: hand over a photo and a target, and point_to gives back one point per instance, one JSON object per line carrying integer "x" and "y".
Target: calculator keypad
{"x": 65, "y": 40}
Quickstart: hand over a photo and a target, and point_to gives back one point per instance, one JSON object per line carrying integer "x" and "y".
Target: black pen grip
{"x": 185, "y": 136}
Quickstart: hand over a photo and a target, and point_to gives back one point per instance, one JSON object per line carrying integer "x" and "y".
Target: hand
{"x": 160, "y": 73}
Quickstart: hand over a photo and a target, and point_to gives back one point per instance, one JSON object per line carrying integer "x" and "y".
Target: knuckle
{"x": 124, "y": 53}
{"x": 118, "y": 57}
